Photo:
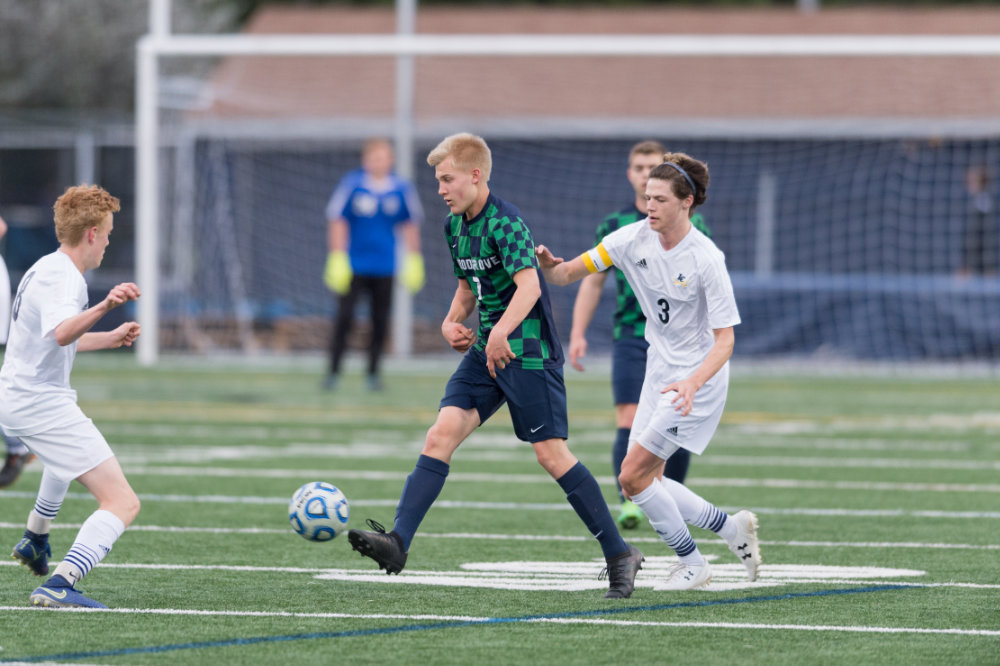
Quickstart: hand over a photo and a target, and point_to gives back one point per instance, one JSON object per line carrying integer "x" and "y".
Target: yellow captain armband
{"x": 597, "y": 259}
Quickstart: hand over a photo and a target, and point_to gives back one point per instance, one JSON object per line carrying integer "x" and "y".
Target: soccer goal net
{"x": 853, "y": 180}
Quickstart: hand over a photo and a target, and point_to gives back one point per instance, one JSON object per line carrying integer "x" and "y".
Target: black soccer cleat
{"x": 621, "y": 571}
{"x": 384, "y": 548}
{"x": 12, "y": 467}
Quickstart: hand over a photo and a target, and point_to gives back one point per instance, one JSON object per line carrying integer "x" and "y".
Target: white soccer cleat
{"x": 687, "y": 577}
{"x": 744, "y": 544}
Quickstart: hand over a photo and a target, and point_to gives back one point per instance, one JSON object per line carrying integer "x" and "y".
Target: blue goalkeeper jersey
{"x": 372, "y": 210}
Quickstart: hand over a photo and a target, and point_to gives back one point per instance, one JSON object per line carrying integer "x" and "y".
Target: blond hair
{"x": 80, "y": 208}
{"x": 468, "y": 152}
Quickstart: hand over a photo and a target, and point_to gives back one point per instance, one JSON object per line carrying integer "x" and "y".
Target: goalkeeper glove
{"x": 413, "y": 272}
{"x": 337, "y": 274}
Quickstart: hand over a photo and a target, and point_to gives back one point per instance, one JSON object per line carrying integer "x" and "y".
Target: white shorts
{"x": 69, "y": 451}
{"x": 659, "y": 427}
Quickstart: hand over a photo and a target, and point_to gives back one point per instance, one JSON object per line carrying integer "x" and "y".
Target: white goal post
{"x": 160, "y": 43}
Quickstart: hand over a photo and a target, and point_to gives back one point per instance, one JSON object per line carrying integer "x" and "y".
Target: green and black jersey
{"x": 629, "y": 322}
{"x": 487, "y": 251}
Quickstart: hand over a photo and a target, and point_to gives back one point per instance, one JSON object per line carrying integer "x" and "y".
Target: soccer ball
{"x": 318, "y": 511}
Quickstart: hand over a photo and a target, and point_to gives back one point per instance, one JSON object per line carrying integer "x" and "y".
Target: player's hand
{"x": 337, "y": 273}
{"x": 545, "y": 257}
{"x": 412, "y": 274}
{"x": 577, "y": 350}
{"x": 121, "y": 294}
{"x": 458, "y": 336}
{"x": 685, "y": 389}
{"x": 125, "y": 335}
{"x": 498, "y": 353}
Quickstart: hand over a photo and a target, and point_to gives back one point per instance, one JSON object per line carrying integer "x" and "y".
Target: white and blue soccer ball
{"x": 318, "y": 511}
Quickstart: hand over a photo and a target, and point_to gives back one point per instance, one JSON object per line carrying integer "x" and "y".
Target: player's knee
{"x": 439, "y": 443}
{"x": 627, "y": 482}
{"x": 554, "y": 456}
{"x": 127, "y": 507}
{"x": 632, "y": 479}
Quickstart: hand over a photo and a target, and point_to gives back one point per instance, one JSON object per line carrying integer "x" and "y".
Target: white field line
{"x": 774, "y": 627}
{"x": 508, "y": 449}
{"x": 538, "y": 620}
{"x": 734, "y": 437}
{"x": 528, "y": 506}
{"x": 416, "y": 576}
{"x": 531, "y": 537}
{"x": 542, "y": 479}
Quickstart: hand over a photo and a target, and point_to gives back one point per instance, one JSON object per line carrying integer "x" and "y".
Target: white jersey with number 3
{"x": 685, "y": 292}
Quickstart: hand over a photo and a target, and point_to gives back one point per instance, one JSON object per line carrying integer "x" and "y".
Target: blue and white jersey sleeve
{"x": 336, "y": 208}
{"x": 414, "y": 211}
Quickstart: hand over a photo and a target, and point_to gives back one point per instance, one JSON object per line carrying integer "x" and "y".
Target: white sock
{"x": 663, "y": 514}
{"x": 698, "y": 511}
{"x": 94, "y": 540}
{"x": 51, "y": 493}
{"x": 38, "y": 523}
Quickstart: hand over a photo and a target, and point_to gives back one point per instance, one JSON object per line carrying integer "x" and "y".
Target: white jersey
{"x": 684, "y": 292}
{"x": 35, "y": 394}
{"x": 4, "y": 302}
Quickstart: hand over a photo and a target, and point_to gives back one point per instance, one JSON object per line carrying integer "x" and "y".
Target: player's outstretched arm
{"x": 558, "y": 271}
{"x": 70, "y": 330}
{"x": 123, "y": 336}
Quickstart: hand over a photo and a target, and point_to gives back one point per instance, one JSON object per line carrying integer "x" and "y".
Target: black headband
{"x": 684, "y": 173}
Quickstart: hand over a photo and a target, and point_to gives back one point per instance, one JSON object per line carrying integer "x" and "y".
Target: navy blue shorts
{"x": 536, "y": 399}
{"x": 628, "y": 369}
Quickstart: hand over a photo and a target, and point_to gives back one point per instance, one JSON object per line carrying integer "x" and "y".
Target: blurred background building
{"x": 839, "y": 183}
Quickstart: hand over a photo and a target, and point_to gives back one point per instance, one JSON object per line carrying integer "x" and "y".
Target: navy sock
{"x": 677, "y": 465}
{"x": 585, "y": 497}
{"x": 422, "y": 487}
{"x": 618, "y": 455}
{"x": 37, "y": 539}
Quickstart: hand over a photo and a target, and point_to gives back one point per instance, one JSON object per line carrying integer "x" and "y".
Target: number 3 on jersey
{"x": 664, "y": 313}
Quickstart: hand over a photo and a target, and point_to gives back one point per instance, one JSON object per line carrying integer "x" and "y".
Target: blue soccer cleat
{"x": 33, "y": 551}
{"x": 58, "y": 593}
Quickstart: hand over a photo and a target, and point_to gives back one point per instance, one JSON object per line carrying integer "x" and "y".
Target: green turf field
{"x": 878, "y": 498}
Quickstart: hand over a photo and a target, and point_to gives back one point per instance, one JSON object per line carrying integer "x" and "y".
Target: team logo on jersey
{"x": 364, "y": 205}
{"x": 641, "y": 264}
{"x": 680, "y": 280}
{"x": 391, "y": 206}
{"x": 478, "y": 263}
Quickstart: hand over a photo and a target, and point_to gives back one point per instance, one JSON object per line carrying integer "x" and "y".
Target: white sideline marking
{"x": 583, "y": 575}
{"x": 488, "y": 620}
{"x": 725, "y": 576}
{"x": 776, "y": 627}
{"x": 471, "y": 477}
{"x": 528, "y": 506}
{"x": 535, "y": 537}
{"x": 496, "y": 447}
{"x": 543, "y": 479}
